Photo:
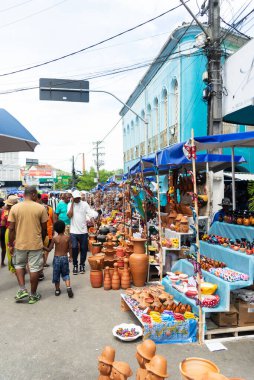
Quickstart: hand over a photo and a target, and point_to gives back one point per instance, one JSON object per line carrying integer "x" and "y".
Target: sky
{"x": 34, "y": 31}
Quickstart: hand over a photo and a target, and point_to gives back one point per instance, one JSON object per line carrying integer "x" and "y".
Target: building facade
{"x": 9, "y": 171}
{"x": 169, "y": 96}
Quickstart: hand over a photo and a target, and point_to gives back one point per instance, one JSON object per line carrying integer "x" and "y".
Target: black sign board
{"x": 65, "y": 90}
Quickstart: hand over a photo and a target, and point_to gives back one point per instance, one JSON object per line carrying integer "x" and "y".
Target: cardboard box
{"x": 226, "y": 319}
{"x": 246, "y": 313}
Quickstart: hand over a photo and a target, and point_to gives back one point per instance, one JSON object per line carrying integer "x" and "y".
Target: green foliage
{"x": 251, "y": 195}
{"x": 86, "y": 181}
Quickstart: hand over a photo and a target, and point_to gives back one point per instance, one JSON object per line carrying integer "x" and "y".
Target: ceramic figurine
{"x": 145, "y": 353}
{"x": 120, "y": 371}
{"x": 157, "y": 368}
{"x": 105, "y": 362}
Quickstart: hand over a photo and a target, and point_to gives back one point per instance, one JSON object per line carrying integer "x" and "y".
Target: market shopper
{"x": 62, "y": 245}
{"x": 49, "y": 209}
{"x": 2, "y": 233}
{"x": 10, "y": 201}
{"x": 61, "y": 211}
{"x": 28, "y": 229}
{"x": 78, "y": 211}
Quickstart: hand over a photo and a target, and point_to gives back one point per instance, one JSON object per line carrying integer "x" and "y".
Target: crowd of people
{"x": 32, "y": 228}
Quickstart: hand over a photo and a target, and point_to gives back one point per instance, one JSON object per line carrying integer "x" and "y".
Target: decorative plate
{"x": 121, "y": 332}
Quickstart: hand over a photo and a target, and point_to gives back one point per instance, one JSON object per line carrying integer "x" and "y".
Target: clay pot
{"x": 125, "y": 278}
{"x": 116, "y": 278}
{"x": 107, "y": 279}
{"x": 139, "y": 267}
{"x": 95, "y": 248}
{"x": 120, "y": 271}
{"x": 111, "y": 271}
{"x": 138, "y": 245}
{"x": 120, "y": 252}
{"x": 101, "y": 238}
{"x": 191, "y": 367}
{"x": 96, "y": 262}
{"x": 104, "y": 230}
{"x": 96, "y": 278}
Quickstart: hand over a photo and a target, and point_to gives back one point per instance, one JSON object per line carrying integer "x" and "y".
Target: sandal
{"x": 57, "y": 292}
{"x": 46, "y": 265}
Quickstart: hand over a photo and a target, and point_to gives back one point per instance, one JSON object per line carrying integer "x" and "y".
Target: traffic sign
{"x": 66, "y": 90}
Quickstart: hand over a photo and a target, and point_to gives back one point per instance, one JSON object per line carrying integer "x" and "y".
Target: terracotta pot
{"x": 126, "y": 278}
{"x": 95, "y": 249}
{"x": 190, "y": 368}
{"x": 115, "y": 278}
{"x": 107, "y": 279}
{"x": 139, "y": 245}
{"x": 96, "y": 278}
{"x": 139, "y": 267}
{"x": 111, "y": 271}
{"x": 96, "y": 262}
{"x": 120, "y": 271}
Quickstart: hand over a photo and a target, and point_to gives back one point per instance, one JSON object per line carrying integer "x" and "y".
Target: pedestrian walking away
{"x": 61, "y": 211}
{"x": 78, "y": 212}
{"x": 62, "y": 245}
{"x": 28, "y": 229}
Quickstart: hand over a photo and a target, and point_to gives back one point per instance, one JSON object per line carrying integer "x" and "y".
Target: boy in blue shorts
{"x": 62, "y": 245}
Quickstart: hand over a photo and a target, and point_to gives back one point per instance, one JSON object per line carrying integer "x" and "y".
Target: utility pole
{"x": 98, "y": 162}
{"x": 213, "y": 51}
{"x": 214, "y": 70}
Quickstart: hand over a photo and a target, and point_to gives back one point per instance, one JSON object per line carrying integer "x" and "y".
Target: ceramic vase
{"x": 107, "y": 279}
{"x": 115, "y": 278}
{"x": 139, "y": 267}
{"x": 96, "y": 261}
{"x": 96, "y": 278}
{"x": 126, "y": 278}
{"x": 138, "y": 245}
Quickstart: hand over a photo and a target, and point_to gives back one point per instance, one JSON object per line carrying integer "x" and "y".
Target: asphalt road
{"x": 61, "y": 338}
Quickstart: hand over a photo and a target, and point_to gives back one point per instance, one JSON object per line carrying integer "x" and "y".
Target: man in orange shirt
{"x": 50, "y": 223}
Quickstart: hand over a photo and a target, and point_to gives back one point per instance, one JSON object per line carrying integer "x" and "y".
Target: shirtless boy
{"x": 62, "y": 245}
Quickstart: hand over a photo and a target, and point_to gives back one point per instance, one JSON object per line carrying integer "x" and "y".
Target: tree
{"x": 86, "y": 181}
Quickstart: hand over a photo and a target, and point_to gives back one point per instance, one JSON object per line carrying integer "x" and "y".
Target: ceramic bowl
{"x": 128, "y": 326}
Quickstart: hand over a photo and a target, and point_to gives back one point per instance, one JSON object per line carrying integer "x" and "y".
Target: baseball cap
{"x": 76, "y": 194}
{"x": 44, "y": 197}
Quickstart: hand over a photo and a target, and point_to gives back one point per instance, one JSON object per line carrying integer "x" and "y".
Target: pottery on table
{"x": 126, "y": 278}
{"x": 107, "y": 279}
{"x": 96, "y": 278}
{"x": 115, "y": 278}
{"x": 96, "y": 261}
{"x": 190, "y": 368}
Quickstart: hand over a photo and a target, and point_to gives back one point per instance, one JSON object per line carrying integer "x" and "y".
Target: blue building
{"x": 170, "y": 96}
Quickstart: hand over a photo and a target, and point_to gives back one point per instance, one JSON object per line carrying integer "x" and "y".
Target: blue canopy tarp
{"x": 173, "y": 157}
{"x": 242, "y": 139}
{"x": 13, "y": 136}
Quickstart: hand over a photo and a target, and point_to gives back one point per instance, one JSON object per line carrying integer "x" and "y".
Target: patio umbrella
{"x": 13, "y": 136}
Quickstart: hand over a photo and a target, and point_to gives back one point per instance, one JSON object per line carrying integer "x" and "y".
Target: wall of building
{"x": 9, "y": 167}
{"x": 172, "y": 100}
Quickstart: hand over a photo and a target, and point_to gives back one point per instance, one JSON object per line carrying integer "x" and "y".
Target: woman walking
{"x": 10, "y": 201}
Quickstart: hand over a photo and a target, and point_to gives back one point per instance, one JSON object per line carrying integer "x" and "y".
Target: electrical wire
{"x": 32, "y": 14}
{"x": 108, "y": 73}
{"x": 233, "y": 27}
{"x": 15, "y": 6}
{"x": 90, "y": 46}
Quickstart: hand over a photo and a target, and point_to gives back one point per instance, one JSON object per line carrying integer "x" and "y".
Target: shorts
{"x": 60, "y": 268}
{"x": 34, "y": 259}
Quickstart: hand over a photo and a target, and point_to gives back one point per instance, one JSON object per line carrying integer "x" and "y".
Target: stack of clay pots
{"x": 114, "y": 280}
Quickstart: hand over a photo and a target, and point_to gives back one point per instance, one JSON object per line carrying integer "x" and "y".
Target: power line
{"x": 110, "y": 72}
{"x": 90, "y": 46}
{"x": 233, "y": 27}
{"x": 32, "y": 14}
{"x": 15, "y": 6}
